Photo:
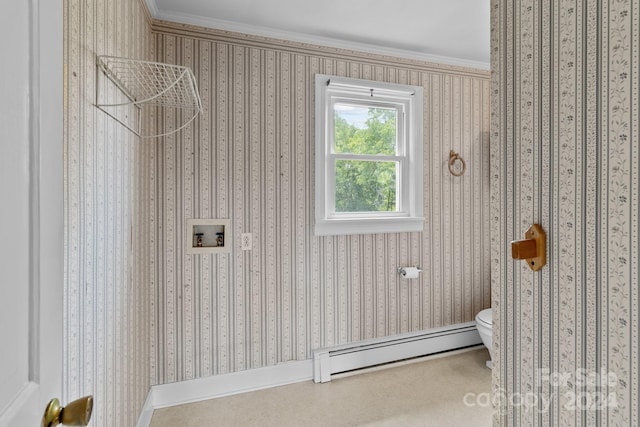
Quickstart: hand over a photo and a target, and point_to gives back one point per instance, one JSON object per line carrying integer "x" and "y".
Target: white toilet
{"x": 484, "y": 323}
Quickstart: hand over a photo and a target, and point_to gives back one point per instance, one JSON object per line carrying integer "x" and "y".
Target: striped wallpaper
{"x": 250, "y": 158}
{"x": 139, "y": 311}
{"x": 565, "y": 112}
{"x": 565, "y": 120}
{"x": 109, "y": 191}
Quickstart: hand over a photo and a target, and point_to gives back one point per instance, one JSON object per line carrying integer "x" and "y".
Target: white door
{"x": 31, "y": 218}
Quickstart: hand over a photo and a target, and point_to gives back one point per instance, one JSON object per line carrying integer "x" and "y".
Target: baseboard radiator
{"x": 364, "y": 354}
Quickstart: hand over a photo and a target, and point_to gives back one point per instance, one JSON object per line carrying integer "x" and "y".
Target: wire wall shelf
{"x": 143, "y": 84}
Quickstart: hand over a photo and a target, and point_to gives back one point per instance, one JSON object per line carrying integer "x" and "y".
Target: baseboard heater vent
{"x": 363, "y": 354}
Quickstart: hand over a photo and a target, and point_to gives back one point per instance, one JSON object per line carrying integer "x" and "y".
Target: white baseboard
{"x": 179, "y": 393}
{"x": 357, "y": 355}
{"x": 144, "y": 420}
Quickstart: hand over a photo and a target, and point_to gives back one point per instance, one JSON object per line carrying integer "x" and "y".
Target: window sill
{"x": 332, "y": 227}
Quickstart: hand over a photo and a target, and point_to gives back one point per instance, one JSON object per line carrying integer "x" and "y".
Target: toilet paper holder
{"x": 402, "y": 270}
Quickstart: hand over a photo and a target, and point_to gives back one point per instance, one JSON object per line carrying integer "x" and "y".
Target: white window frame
{"x": 407, "y": 100}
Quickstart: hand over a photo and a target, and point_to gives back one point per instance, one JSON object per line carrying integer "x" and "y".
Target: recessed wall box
{"x": 207, "y": 236}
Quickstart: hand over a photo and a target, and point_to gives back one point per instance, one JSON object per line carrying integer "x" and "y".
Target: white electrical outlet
{"x": 245, "y": 241}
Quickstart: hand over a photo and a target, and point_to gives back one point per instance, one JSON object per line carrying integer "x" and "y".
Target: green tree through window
{"x": 366, "y": 185}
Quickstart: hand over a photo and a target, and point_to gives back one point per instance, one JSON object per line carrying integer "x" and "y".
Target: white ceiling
{"x": 448, "y": 31}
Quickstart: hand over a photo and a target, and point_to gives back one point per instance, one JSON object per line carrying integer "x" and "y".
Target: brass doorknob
{"x": 76, "y": 413}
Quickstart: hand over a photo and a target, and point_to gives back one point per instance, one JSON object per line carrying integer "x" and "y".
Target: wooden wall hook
{"x": 533, "y": 249}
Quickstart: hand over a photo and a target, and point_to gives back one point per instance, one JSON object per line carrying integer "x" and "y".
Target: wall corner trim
{"x": 144, "y": 420}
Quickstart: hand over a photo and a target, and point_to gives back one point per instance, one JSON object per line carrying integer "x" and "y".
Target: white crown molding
{"x": 255, "y": 30}
{"x": 153, "y": 8}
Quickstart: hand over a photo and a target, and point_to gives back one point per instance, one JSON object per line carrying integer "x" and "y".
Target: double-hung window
{"x": 368, "y": 156}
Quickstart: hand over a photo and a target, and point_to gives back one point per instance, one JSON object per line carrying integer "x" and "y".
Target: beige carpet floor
{"x": 430, "y": 392}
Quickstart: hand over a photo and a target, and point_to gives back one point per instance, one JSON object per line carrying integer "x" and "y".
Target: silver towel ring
{"x": 453, "y": 158}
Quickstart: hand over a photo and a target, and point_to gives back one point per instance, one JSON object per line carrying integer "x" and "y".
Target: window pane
{"x": 364, "y": 130}
{"x": 365, "y": 186}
